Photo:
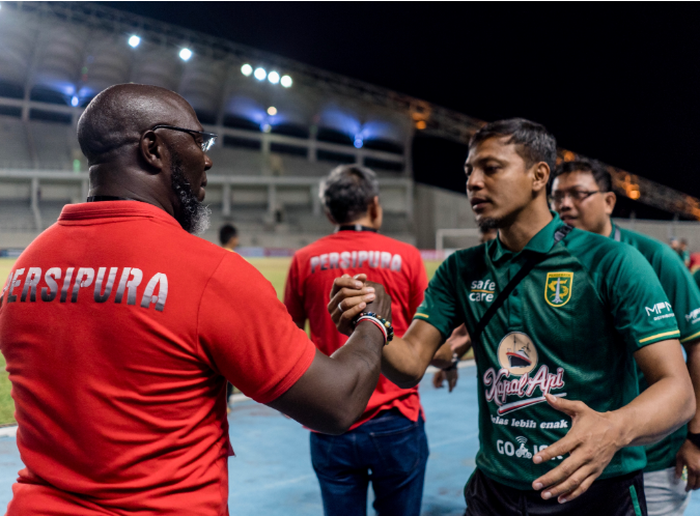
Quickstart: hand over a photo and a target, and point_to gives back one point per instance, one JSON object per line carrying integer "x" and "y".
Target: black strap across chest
{"x": 532, "y": 260}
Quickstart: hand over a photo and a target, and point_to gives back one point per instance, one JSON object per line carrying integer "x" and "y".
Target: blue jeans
{"x": 389, "y": 450}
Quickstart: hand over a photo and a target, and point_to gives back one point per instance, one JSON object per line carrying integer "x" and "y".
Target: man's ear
{"x": 540, "y": 176}
{"x": 610, "y": 200}
{"x": 153, "y": 151}
{"x": 329, "y": 216}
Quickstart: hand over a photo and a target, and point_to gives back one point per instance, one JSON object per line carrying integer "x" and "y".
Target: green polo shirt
{"x": 569, "y": 328}
{"x": 684, "y": 296}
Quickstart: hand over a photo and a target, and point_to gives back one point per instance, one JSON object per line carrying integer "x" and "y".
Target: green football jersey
{"x": 570, "y": 328}
{"x": 684, "y": 296}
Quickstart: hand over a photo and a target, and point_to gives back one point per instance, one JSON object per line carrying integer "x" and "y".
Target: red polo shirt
{"x": 119, "y": 330}
{"x": 396, "y": 265}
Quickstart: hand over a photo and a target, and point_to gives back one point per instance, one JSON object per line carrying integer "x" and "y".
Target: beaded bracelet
{"x": 383, "y": 324}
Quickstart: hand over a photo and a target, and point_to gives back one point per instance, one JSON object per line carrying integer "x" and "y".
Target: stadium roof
{"x": 76, "y": 64}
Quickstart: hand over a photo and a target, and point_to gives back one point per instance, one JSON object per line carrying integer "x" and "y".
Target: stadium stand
{"x": 282, "y": 126}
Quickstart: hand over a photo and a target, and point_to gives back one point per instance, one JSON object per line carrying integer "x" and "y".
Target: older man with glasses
{"x": 582, "y": 195}
{"x": 120, "y": 330}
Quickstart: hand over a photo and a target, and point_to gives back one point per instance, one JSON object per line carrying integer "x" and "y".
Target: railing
{"x": 35, "y": 178}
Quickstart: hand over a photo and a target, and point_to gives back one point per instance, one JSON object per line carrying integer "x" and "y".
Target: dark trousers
{"x": 390, "y": 451}
{"x": 618, "y": 496}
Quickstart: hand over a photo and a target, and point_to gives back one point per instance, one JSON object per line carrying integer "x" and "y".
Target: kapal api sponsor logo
{"x": 518, "y": 357}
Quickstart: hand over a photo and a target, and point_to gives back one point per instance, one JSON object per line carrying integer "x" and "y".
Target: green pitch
{"x": 274, "y": 269}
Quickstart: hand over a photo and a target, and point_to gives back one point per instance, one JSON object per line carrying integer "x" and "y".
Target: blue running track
{"x": 272, "y": 475}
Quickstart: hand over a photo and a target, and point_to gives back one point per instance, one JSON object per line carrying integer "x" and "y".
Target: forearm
{"x": 443, "y": 356}
{"x": 358, "y": 364}
{"x": 403, "y": 364}
{"x": 655, "y": 413}
{"x": 334, "y": 392}
{"x": 693, "y": 352}
{"x": 458, "y": 344}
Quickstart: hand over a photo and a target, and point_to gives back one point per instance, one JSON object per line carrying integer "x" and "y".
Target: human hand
{"x": 351, "y": 296}
{"x": 689, "y": 456}
{"x": 451, "y": 375}
{"x": 591, "y": 443}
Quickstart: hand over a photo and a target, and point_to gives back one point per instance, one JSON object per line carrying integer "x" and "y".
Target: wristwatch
{"x": 455, "y": 361}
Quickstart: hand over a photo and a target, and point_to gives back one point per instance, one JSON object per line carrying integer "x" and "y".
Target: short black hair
{"x": 600, "y": 173}
{"x": 348, "y": 191}
{"x": 534, "y": 142}
{"x": 226, "y": 233}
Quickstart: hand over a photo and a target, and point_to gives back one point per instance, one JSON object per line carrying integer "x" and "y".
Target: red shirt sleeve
{"x": 418, "y": 283}
{"x": 292, "y": 296}
{"x": 247, "y": 335}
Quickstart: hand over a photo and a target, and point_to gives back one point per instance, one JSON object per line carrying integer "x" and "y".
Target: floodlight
{"x": 272, "y": 111}
{"x": 74, "y": 101}
{"x": 246, "y": 70}
{"x": 266, "y": 128}
{"x": 358, "y": 142}
{"x": 260, "y": 74}
{"x": 134, "y": 41}
{"x": 273, "y": 77}
{"x": 185, "y": 54}
{"x": 286, "y": 81}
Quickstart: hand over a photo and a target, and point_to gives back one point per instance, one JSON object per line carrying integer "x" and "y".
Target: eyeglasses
{"x": 576, "y": 195}
{"x": 208, "y": 139}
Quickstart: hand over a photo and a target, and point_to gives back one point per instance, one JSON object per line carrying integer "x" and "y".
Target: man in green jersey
{"x": 582, "y": 196}
{"x": 558, "y": 404}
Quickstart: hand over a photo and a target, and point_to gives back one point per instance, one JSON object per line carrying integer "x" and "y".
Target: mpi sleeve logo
{"x": 660, "y": 310}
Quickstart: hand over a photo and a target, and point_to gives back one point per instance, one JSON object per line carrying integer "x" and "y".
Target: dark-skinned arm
{"x": 404, "y": 359}
{"x": 689, "y": 454}
{"x": 595, "y": 437}
{"x": 333, "y": 393}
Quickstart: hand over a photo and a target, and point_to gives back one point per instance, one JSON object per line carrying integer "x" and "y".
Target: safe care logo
{"x": 558, "y": 287}
{"x": 482, "y": 290}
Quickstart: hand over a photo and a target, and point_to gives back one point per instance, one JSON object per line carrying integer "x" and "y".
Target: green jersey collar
{"x": 542, "y": 242}
{"x": 614, "y": 232}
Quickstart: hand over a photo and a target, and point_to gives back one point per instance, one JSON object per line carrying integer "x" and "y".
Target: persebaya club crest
{"x": 557, "y": 289}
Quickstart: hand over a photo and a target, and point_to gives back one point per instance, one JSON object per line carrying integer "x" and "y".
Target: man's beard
{"x": 489, "y": 223}
{"x": 193, "y": 216}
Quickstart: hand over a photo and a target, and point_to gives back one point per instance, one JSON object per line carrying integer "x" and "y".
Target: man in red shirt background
{"x": 387, "y": 445}
{"x": 120, "y": 328}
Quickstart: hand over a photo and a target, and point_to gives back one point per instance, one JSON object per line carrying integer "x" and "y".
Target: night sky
{"x": 619, "y": 82}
